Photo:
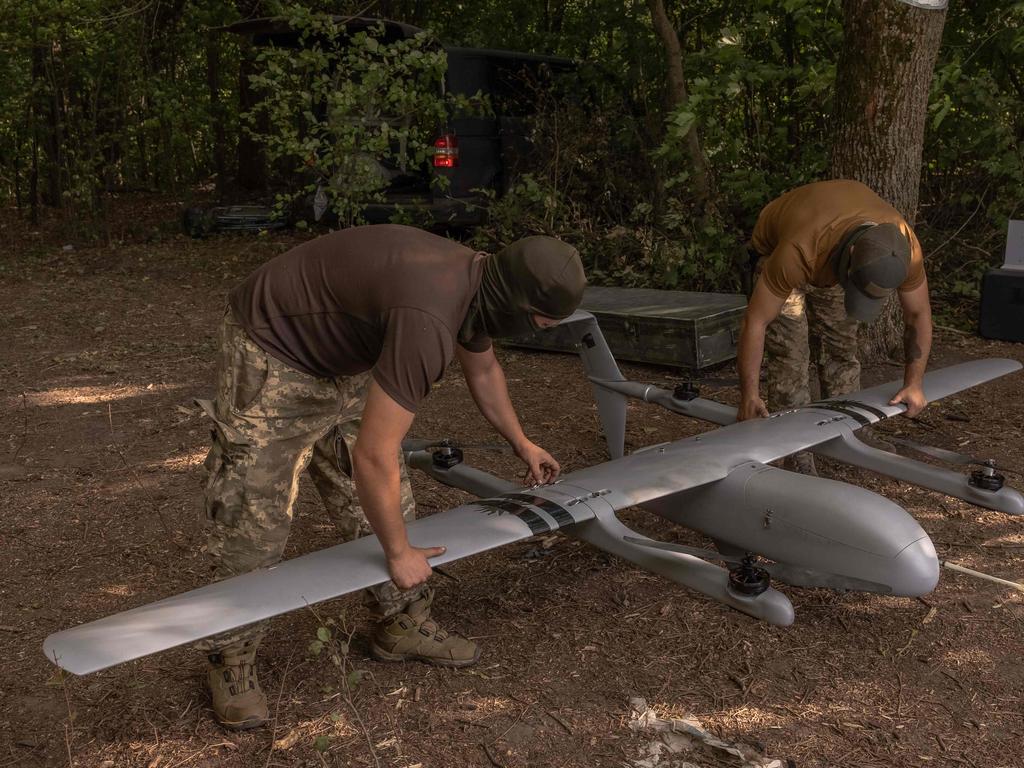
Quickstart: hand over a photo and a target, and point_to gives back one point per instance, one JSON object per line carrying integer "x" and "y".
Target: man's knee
{"x": 248, "y": 507}
{"x": 840, "y": 377}
{"x": 838, "y": 363}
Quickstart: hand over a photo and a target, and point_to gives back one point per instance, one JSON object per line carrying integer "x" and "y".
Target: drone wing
{"x": 305, "y": 580}
{"x": 662, "y": 470}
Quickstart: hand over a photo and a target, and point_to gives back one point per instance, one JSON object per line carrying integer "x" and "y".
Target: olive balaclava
{"x": 872, "y": 262}
{"x": 535, "y": 275}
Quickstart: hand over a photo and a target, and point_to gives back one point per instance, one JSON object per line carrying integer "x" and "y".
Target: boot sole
{"x": 244, "y": 725}
{"x": 381, "y": 655}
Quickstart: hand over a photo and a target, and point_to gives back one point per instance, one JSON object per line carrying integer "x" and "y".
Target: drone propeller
{"x": 943, "y": 454}
{"x": 428, "y": 444}
{"x": 790, "y": 574}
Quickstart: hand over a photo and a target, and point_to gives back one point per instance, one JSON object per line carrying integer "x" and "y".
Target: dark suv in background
{"x": 476, "y": 155}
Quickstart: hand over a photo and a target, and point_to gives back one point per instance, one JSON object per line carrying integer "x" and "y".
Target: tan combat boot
{"x": 238, "y": 702}
{"x": 414, "y": 636}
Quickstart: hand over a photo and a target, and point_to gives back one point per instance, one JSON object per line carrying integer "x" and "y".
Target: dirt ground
{"x": 102, "y": 349}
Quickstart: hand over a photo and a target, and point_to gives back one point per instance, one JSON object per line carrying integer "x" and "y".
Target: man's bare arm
{"x": 764, "y": 306}
{"x": 377, "y": 476}
{"x": 487, "y": 385}
{"x": 917, "y": 346}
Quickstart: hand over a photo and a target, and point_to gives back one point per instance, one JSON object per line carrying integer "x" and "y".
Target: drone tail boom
{"x": 599, "y": 363}
{"x": 606, "y": 532}
{"x": 848, "y": 449}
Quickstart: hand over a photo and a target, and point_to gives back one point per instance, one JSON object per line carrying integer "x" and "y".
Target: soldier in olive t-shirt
{"x": 325, "y": 353}
{"x": 830, "y": 254}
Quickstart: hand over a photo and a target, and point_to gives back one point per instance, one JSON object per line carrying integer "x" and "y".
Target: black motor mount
{"x": 446, "y": 456}
{"x": 747, "y": 579}
{"x": 987, "y": 479}
{"x": 686, "y": 391}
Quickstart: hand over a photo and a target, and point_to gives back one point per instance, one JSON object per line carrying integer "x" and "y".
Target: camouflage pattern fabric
{"x": 270, "y": 423}
{"x": 812, "y": 325}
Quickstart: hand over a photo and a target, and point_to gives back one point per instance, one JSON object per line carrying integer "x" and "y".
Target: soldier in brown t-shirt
{"x": 830, "y": 254}
{"x": 325, "y": 353}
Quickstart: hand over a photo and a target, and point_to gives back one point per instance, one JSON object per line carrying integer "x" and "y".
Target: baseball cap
{"x": 873, "y": 262}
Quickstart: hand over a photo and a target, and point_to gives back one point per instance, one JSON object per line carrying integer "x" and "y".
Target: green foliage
{"x": 95, "y": 98}
{"x": 348, "y": 115}
{"x": 974, "y": 154}
{"x": 762, "y": 94}
{"x": 759, "y": 78}
{"x": 661, "y": 252}
{"x": 98, "y": 98}
{"x": 353, "y": 678}
{"x": 333, "y": 638}
{"x": 973, "y": 170}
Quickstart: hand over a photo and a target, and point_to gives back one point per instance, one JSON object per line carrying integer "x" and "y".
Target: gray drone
{"x": 767, "y": 523}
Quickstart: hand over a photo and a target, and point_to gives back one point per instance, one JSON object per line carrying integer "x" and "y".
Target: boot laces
{"x": 429, "y": 628}
{"x": 240, "y": 675}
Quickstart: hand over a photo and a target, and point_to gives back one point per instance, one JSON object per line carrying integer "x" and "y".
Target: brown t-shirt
{"x": 385, "y": 298}
{"x": 799, "y": 230}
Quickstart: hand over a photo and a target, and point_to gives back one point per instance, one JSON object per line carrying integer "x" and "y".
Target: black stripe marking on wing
{"x": 865, "y": 407}
{"x": 499, "y": 505}
{"x": 561, "y": 515}
{"x": 860, "y": 418}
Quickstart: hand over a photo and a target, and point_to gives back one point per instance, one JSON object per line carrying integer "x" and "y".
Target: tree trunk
{"x": 677, "y": 95}
{"x": 61, "y": 172}
{"x": 252, "y": 163}
{"x": 45, "y": 120}
{"x": 34, "y": 109}
{"x": 882, "y": 83}
{"x": 33, "y": 177}
{"x": 220, "y": 143}
{"x": 789, "y": 46}
{"x": 17, "y": 168}
{"x": 554, "y": 16}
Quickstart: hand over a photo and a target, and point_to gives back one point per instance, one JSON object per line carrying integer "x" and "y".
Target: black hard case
{"x": 675, "y": 328}
{"x": 1002, "y": 305}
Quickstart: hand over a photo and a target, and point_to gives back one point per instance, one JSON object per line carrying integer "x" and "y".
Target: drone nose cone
{"x": 916, "y": 570}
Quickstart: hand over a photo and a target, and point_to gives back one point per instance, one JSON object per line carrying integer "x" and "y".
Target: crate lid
{"x": 651, "y": 302}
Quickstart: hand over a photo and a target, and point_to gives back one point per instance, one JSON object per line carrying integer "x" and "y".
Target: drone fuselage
{"x": 840, "y": 535}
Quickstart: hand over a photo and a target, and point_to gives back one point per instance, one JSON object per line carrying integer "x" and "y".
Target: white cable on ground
{"x": 960, "y": 569}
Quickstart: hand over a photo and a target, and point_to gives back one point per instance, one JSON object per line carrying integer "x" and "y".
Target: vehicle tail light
{"x": 446, "y": 151}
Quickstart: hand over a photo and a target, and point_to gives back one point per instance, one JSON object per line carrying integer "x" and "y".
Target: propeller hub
{"x": 446, "y": 456}
{"x": 747, "y": 579}
{"x": 986, "y": 479}
{"x": 686, "y": 391}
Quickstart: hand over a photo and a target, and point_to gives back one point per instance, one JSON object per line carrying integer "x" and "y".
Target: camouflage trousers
{"x": 271, "y": 422}
{"x": 812, "y": 325}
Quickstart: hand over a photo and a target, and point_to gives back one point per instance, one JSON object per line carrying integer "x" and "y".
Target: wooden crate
{"x": 682, "y": 329}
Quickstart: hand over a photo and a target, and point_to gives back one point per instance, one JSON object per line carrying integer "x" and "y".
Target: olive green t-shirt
{"x": 386, "y": 298}
{"x": 797, "y": 232}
